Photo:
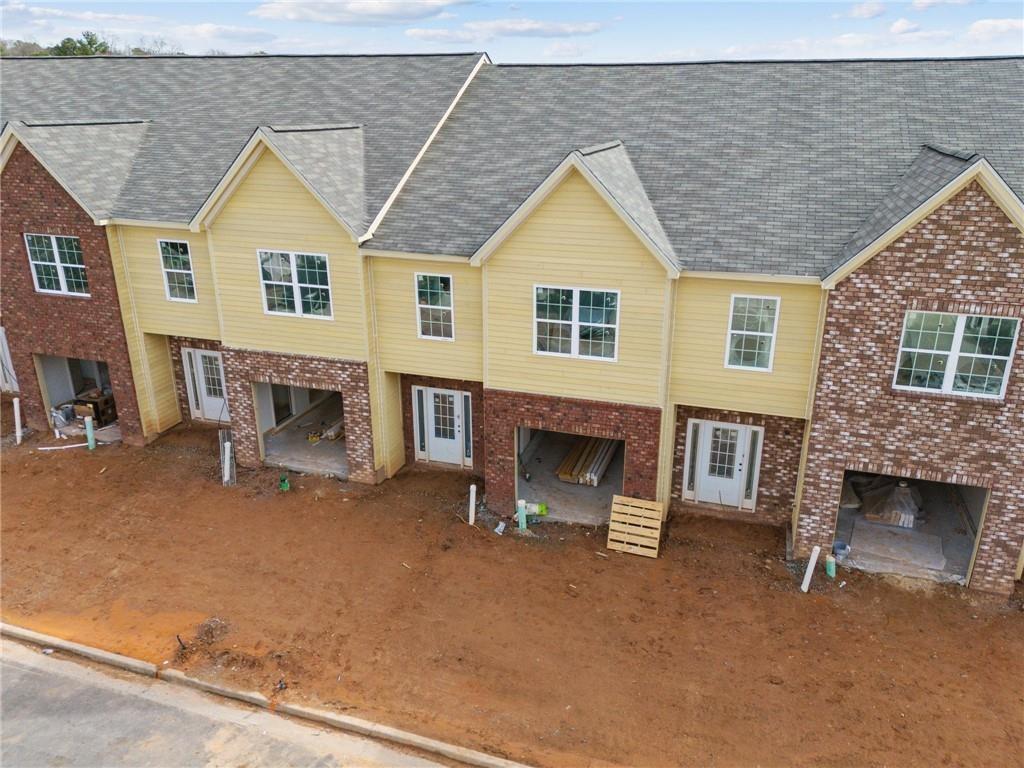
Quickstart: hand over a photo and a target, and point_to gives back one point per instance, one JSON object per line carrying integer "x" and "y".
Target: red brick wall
{"x": 638, "y": 426}
{"x": 476, "y": 392}
{"x": 966, "y": 257}
{"x": 88, "y": 328}
{"x": 244, "y": 367}
{"x": 780, "y": 459}
{"x": 180, "y": 387}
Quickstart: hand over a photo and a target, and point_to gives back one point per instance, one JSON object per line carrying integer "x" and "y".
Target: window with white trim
{"x": 956, "y": 354}
{"x": 753, "y": 322}
{"x": 576, "y": 322}
{"x": 57, "y": 264}
{"x": 176, "y": 262}
{"x": 295, "y": 284}
{"x": 436, "y": 314}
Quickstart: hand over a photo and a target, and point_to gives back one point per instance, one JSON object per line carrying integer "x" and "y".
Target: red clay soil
{"x": 380, "y": 602}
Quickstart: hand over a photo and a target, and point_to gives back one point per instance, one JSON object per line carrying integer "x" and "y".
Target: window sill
{"x": 959, "y": 397}
{"x": 65, "y": 294}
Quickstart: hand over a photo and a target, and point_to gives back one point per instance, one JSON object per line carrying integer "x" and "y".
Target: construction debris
{"x": 635, "y": 526}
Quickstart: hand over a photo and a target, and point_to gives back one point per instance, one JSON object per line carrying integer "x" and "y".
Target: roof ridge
{"x": 261, "y": 56}
{"x": 81, "y": 123}
{"x": 960, "y": 154}
{"x": 593, "y": 149}
{"x": 868, "y": 60}
{"x": 313, "y": 127}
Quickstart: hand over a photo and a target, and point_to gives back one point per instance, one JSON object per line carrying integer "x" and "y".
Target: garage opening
{"x": 302, "y": 429}
{"x": 908, "y": 527}
{"x": 74, "y": 388}
{"x": 575, "y": 476}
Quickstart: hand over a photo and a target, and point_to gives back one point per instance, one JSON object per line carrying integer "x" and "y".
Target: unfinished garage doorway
{"x": 916, "y": 528}
{"x": 575, "y": 476}
{"x": 302, "y": 429}
{"x": 74, "y": 388}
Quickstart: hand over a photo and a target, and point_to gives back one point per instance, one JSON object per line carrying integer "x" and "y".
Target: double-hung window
{"x": 295, "y": 284}
{"x": 956, "y": 354}
{"x": 576, "y": 322}
{"x": 57, "y": 264}
{"x": 753, "y": 322}
{"x": 176, "y": 261}
{"x": 434, "y": 307}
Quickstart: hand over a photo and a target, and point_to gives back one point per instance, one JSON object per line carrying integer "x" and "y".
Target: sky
{"x": 545, "y": 32}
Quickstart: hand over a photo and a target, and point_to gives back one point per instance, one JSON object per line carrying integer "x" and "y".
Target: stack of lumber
{"x": 635, "y": 526}
{"x": 587, "y": 461}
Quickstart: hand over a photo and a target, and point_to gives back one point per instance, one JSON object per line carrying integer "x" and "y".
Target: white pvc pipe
{"x": 472, "y": 504}
{"x": 227, "y": 463}
{"x": 62, "y": 447}
{"x": 17, "y": 421}
{"x": 810, "y": 568}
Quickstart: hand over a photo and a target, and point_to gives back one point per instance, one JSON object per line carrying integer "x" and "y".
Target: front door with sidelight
{"x": 204, "y": 378}
{"x": 443, "y": 431}
{"x": 723, "y": 463}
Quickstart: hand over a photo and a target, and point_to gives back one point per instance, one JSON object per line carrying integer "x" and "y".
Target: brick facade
{"x": 965, "y": 257}
{"x": 244, "y": 367}
{"x": 476, "y": 393}
{"x": 176, "y": 343}
{"x": 779, "y": 462}
{"x": 638, "y": 426}
{"x": 88, "y": 328}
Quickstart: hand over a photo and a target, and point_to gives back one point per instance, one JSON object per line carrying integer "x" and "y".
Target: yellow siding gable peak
{"x": 572, "y": 163}
{"x": 980, "y": 171}
{"x": 258, "y": 143}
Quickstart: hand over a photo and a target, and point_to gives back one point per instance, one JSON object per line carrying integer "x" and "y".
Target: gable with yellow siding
{"x": 395, "y": 305}
{"x": 699, "y": 376}
{"x": 272, "y": 210}
{"x": 154, "y": 311}
{"x": 574, "y": 239}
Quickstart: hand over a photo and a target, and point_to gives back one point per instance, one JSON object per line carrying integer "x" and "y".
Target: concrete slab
{"x": 289, "y": 448}
{"x": 568, "y": 503}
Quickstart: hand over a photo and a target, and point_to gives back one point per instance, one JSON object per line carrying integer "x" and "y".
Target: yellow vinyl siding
{"x": 272, "y": 210}
{"x": 401, "y": 349}
{"x": 699, "y": 376}
{"x": 574, "y": 239}
{"x": 393, "y": 431}
{"x": 161, "y": 375}
{"x": 155, "y": 312}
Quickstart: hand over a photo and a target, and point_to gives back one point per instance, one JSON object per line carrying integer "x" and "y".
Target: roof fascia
{"x": 412, "y": 256}
{"x": 754, "y": 277}
{"x": 980, "y": 171}
{"x": 541, "y": 193}
{"x": 149, "y": 223}
{"x": 11, "y": 138}
{"x": 239, "y": 170}
{"x": 484, "y": 59}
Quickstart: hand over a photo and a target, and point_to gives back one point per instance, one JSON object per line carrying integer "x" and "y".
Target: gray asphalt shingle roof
{"x": 931, "y": 170}
{"x": 202, "y": 110}
{"x": 330, "y": 159}
{"x": 767, "y": 167}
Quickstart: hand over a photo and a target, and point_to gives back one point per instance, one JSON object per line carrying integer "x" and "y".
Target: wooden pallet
{"x": 635, "y": 526}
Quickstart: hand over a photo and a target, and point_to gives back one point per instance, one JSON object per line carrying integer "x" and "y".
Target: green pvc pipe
{"x": 90, "y": 435}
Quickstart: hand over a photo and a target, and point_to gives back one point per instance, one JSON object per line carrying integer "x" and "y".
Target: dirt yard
{"x": 382, "y": 603}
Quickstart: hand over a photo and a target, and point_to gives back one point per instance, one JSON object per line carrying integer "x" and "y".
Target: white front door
{"x": 723, "y": 462}
{"x": 204, "y": 377}
{"x": 442, "y": 425}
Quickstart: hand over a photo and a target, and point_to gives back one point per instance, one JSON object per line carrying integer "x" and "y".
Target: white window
{"x": 434, "y": 306}
{"x": 956, "y": 354}
{"x": 57, "y": 264}
{"x": 753, "y": 322}
{"x": 179, "y": 281}
{"x": 295, "y": 284}
{"x": 576, "y": 322}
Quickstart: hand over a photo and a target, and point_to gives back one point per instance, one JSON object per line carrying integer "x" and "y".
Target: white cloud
{"x": 212, "y": 32}
{"x": 903, "y": 26}
{"x": 989, "y": 29}
{"x": 40, "y": 13}
{"x": 867, "y": 10}
{"x": 858, "y": 45}
{"x": 355, "y": 12}
{"x": 924, "y": 5}
{"x": 565, "y": 49}
{"x": 479, "y": 31}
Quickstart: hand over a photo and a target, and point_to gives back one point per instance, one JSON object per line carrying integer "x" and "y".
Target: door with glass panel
{"x": 723, "y": 462}
{"x": 443, "y": 431}
{"x": 204, "y": 377}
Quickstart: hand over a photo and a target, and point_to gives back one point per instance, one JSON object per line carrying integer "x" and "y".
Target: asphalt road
{"x": 57, "y": 712}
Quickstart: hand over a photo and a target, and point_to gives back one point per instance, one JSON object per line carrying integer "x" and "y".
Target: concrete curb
{"x": 126, "y": 663}
{"x": 339, "y": 722}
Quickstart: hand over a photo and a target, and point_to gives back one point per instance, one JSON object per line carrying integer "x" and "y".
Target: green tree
{"x": 89, "y": 44}
{"x": 21, "y": 48}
